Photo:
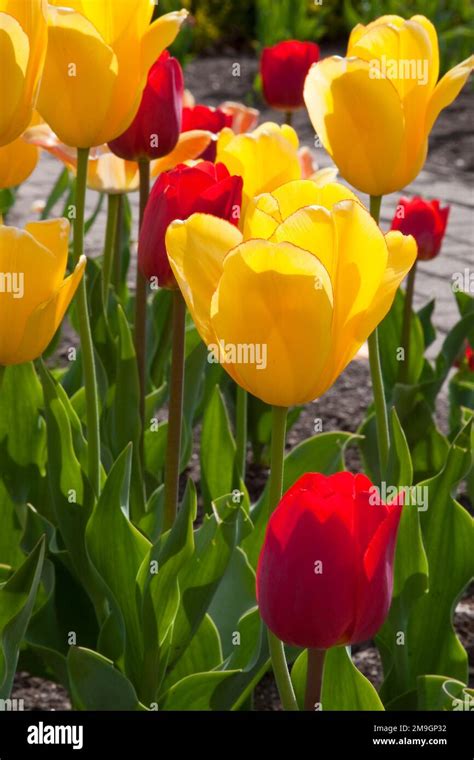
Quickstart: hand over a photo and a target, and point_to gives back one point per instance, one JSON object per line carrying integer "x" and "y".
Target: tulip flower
{"x": 205, "y": 117}
{"x": 243, "y": 118}
{"x": 283, "y": 69}
{"x": 304, "y": 285}
{"x": 425, "y": 220}
{"x": 265, "y": 158}
{"x": 18, "y": 160}
{"x": 96, "y": 67}
{"x": 34, "y": 295}
{"x": 325, "y": 572}
{"x": 469, "y": 356}
{"x": 154, "y": 131}
{"x": 24, "y": 37}
{"x": 374, "y": 109}
{"x": 177, "y": 194}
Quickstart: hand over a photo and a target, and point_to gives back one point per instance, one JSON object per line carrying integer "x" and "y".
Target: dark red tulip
{"x": 284, "y": 68}
{"x": 156, "y": 127}
{"x": 206, "y": 188}
{"x": 425, "y": 220}
{"x": 325, "y": 572}
{"x": 211, "y": 119}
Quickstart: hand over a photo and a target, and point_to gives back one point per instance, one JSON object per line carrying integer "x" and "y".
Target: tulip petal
{"x": 18, "y": 160}
{"x": 114, "y": 19}
{"x": 159, "y": 35}
{"x": 310, "y": 228}
{"x": 304, "y": 192}
{"x": 46, "y": 318}
{"x": 14, "y": 53}
{"x": 447, "y": 90}
{"x": 77, "y": 56}
{"x": 189, "y": 147}
{"x": 196, "y": 251}
{"x": 262, "y": 217}
{"x": 53, "y": 234}
{"x": 107, "y": 173}
{"x": 359, "y": 117}
{"x": 276, "y": 301}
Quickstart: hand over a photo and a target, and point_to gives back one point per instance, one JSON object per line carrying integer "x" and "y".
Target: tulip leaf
{"x": 158, "y": 583}
{"x": 390, "y": 341}
{"x": 97, "y": 685}
{"x": 117, "y": 550}
{"x": 461, "y": 394}
{"x": 322, "y": 453}
{"x": 20, "y": 422}
{"x": 218, "y": 473}
{"x": 10, "y": 533}
{"x": 197, "y": 692}
{"x": 60, "y": 187}
{"x": 424, "y": 315}
{"x": 442, "y": 693}
{"x": 203, "y": 654}
{"x": 201, "y": 575}
{"x": 17, "y": 598}
{"x": 344, "y": 687}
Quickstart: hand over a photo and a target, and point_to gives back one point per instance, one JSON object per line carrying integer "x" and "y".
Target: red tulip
{"x": 211, "y": 119}
{"x": 206, "y": 188}
{"x": 425, "y": 220}
{"x": 325, "y": 572}
{"x": 284, "y": 68}
{"x": 156, "y": 127}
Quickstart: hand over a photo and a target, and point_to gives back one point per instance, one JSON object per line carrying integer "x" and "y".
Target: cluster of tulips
{"x": 258, "y": 280}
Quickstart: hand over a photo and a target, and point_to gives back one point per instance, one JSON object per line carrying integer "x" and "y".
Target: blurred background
{"x": 223, "y": 26}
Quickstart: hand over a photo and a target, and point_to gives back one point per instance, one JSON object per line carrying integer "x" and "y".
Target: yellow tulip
{"x": 34, "y": 295}
{"x": 18, "y": 159}
{"x": 374, "y": 109}
{"x": 23, "y": 40}
{"x": 264, "y": 158}
{"x": 97, "y": 62}
{"x": 286, "y": 305}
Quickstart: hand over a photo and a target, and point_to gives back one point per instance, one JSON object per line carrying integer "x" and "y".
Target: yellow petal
{"x": 77, "y": 56}
{"x": 29, "y": 274}
{"x": 447, "y": 90}
{"x": 402, "y": 251}
{"x": 359, "y": 118}
{"x": 273, "y": 312}
{"x": 360, "y": 29}
{"x": 190, "y": 146}
{"x": 46, "y": 318}
{"x": 304, "y": 192}
{"x": 264, "y": 158}
{"x": 262, "y": 217}
{"x": 18, "y": 160}
{"x": 113, "y": 19}
{"x": 311, "y": 228}
{"x": 107, "y": 173}
{"x": 53, "y": 234}
{"x": 14, "y": 54}
{"x": 159, "y": 36}
{"x": 196, "y": 249}
{"x": 433, "y": 36}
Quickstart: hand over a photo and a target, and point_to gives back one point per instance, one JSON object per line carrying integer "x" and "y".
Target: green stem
{"x": 88, "y": 362}
{"x": 314, "y": 678}
{"x": 277, "y": 650}
{"x": 117, "y": 273}
{"x": 109, "y": 246}
{"x": 381, "y": 415}
{"x": 140, "y": 304}
{"x": 241, "y": 430}
{"x": 289, "y": 118}
{"x": 406, "y": 327}
{"x": 175, "y": 413}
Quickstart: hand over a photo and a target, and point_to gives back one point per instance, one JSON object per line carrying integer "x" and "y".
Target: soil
{"x": 343, "y": 407}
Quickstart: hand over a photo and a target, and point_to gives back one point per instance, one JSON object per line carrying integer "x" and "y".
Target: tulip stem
{"x": 314, "y": 678}
{"x": 241, "y": 430}
{"x": 140, "y": 304}
{"x": 88, "y": 362}
{"x": 381, "y": 415}
{"x": 117, "y": 269}
{"x": 289, "y": 118}
{"x": 406, "y": 326}
{"x": 275, "y": 488}
{"x": 175, "y": 413}
{"x": 109, "y": 246}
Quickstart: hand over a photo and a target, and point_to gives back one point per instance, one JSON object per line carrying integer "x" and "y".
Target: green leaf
{"x": 60, "y": 187}
{"x": 433, "y": 647}
{"x": 20, "y": 421}
{"x": 218, "y": 475}
{"x": 196, "y": 692}
{"x": 117, "y": 550}
{"x": 97, "y": 685}
{"x": 441, "y": 693}
{"x": 322, "y": 453}
{"x": 390, "y": 336}
{"x": 424, "y": 315}
{"x": 17, "y": 598}
{"x": 203, "y": 654}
